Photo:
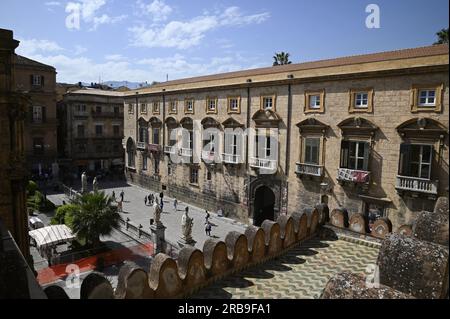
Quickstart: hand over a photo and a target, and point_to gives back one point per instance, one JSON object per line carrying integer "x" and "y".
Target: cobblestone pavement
{"x": 301, "y": 273}
{"x": 135, "y": 209}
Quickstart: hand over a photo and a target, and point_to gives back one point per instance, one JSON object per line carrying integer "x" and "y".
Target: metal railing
{"x": 352, "y": 175}
{"x": 231, "y": 158}
{"x": 170, "y": 149}
{"x": 208, "y": 155}
{"x": 186, "y": 152}
{"x": 415, "y": 184}
{"x": 141, "y": 145}
{"x": 309, "y": 169}
{"x": 263, "y": 163}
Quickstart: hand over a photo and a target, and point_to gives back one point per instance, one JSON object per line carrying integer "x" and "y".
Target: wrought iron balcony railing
{"x": 309, "y": 169}
{"x": 415, "y": 184}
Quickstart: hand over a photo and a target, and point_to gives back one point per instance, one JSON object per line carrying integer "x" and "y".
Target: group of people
{"x": 119, "y": 203}
{"x": 153, "y": 198}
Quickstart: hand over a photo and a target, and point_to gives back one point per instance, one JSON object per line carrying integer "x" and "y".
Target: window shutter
{"x": 42, "y": 80}
{"x": 344, "y": 154}
{"x": 403, "y": 168}
{"x": 366, "y": 156}
{"x": 228, "y": 143}
{"x": 44, "y": 114}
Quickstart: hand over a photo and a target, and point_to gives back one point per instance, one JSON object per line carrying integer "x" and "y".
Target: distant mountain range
{"x": 130, "y": 85}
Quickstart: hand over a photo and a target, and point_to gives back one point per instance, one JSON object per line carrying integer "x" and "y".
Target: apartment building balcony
{"x": 309, "y": 169}
{"x": 231, "y": 158}
{"x": 170, "y": 149}
{"x": 353, "y": 176}
{"x": 416, "y": 185}
{"x": 107, "y": 114}
{"x": 263, "y": 163}
{"x": 154, "y": 148}
{"x": 141, "y": 146}
{"x": 81, "y": 114}
{"x": 35, "y": 123}
{"x": 187, "y": 152}
{"x": 208, "y": 156}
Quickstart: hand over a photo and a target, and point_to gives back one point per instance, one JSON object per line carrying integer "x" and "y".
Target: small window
{"x": 37, "y": 80}
{"x": 194, "y": 175}
{"x": 144, "y": 162}
{"x": 81, "y": 108}
{"x": 80, "y": 130}
{"x": 208, "y": 176}
{"x": 144, "y": 108}
{"x": 98, "y": 130}
{"x": 312, "y": 149}
{"x": 211, "y": 105}
{"x": 130, "y": 109}
{"x": 156, "y": 107}
{"x": 268, "y": 103}
{"x": 361, "y": 100}
{"x": 173, "y": 107}
{"x": 189, "y": 106}
{"x": 355, "y": 155}
{"x": 37, "y": 114}
{"x": 427, "y": 98}
{"x": 314, "y": 101}
{"x": 234, "y": 105}
{"x": 98, "y": 109}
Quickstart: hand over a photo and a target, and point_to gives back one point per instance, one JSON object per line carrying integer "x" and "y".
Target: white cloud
{"x": 32, "y": 46}
{"x": 106, "y": 19}
{"x": 182, "y": 35}
{"x": 53, "y": 4}
{"x": 159, "y": 10}
{"x": 79, "y": 50}
{"x": 88, "y": 10}
{"x": 114, "y": 57}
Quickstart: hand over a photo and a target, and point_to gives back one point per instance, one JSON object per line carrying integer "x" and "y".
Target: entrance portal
{"x": 263, "y": 205}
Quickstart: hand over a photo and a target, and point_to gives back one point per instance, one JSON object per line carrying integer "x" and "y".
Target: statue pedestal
{"x": 158, "y": 231}
{"x": 186, "y": 242}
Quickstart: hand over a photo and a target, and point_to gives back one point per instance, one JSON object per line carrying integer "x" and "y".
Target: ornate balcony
{"x": 141, "y": 145}
{"x": 187, "y": 152}
{"x": 417, "y": 185}
{"x": 170, "y": 149}
{"x": 231, "y": 158}
{"x": 154, "y": 148}
{"x": 263, "y": 163}
{"x": 309, "y": 169}
{"x": 208, "y": 156}
{"x": 354, "y": 176}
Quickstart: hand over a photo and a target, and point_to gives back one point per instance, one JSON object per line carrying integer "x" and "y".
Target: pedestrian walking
{"x": 161, "y": 205}
{"x": 161, "y": 195}
{"x": 175, "y": 204}
{"x": 122, "y": 195}
{"x": 152, "y": 198}
{"x": 207, "y": 216}
{"x": 208, "y": 228}
{"x": 113, "y": 195}
{"x": 145, "y": 200}
{"x": 119, "y": 207}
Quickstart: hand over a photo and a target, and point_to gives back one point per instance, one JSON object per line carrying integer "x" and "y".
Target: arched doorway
{"x": 264, "y": 205}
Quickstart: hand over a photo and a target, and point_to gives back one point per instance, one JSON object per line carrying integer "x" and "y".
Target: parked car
{"x": 35, "y": 223}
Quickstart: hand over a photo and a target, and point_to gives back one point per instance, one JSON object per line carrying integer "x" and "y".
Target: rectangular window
{"x": 233, "y": 104}
{"x": 267, "y": 103}
{"x": 80, "y": 130}
{"x": 234, "y": 144}
{"x": 173, "y": 107}
{"x": 144, "y": 162}
{"x": 355, "y": 155}
{"x": 144, "y": 108}
{"x": 156, "y": 166}
{"x": 415, "y": 160}
{"x": 143, "y": 132}
{"x": 81, "y": 108}
{"x": 156, "y": 107}
{"x": 98, "y": 109}
{"x": 361, "y": 100}
{"x": 130, "y": 109}
{"x": 427, "y": 98}
{"x": 37, "y": 80}
{"x": 191, "y": 140}
{"x": 37, "y": 114}
{"x": 263, "y": 141}
{"x": 116, "y": 110}
{"x": 314, "y": 101}
{"x": 211, "y": 105}
{"x": 155, "y": 135}
{"x": 189, "y": 106}
{"x": 98, "y": 130}
{"x": 312, "y": 149}
{"x": 116, "y": 130}
{"x": 194, "y": 175}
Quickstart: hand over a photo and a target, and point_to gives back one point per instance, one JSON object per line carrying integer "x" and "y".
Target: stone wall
{"x": 194, "y": 268}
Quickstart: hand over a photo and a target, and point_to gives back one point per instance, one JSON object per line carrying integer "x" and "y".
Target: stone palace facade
{"x": 368, "y": 133}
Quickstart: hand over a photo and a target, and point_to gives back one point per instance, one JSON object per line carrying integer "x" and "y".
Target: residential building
{"x": 368, "y": 133}
{"x": 94, "y": 130}
{"x": 38, "y": 82}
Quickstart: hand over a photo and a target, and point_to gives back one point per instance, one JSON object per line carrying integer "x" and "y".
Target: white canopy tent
{"x": 51, "y": 236}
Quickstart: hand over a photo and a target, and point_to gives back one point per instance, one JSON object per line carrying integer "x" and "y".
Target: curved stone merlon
{"x": 347, "y": 285}
{"x": 324, "y": 213}
{"x": 256, "y": 243}
{"x": 339, "y": 217}
{"x": 96, "y": 286}
{"x": 272, "y": 234}
{"x": 164, "y": 279}
{"x": 132, "y": 283}
{"x": 415, "y": 267}
{"x": 55, "y": 292}
{"x": 237, "y": 249}
{"x": 216, "y": 257}
{"x": 191, "y": 267}
{"x": 287, "y": 231}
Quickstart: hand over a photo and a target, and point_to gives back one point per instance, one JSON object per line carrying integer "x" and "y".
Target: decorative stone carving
{"x": 381, "y": 227}
{"x": 83, "y": 183}
{"x": 95, "y": 185}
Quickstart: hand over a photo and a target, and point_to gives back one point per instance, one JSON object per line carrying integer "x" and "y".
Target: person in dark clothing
{"x": 122, "y": 194}
{"x": 161, "y": 195}
{"x": 208, "y": 228}
{"x": 145, "y": 200}
{"x": 207, "y": 216}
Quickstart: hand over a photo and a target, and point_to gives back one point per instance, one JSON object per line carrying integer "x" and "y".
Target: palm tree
{"x": 96, "y": 216}
{"x": 281, "y": 58}
{"x": 442, "y": 37}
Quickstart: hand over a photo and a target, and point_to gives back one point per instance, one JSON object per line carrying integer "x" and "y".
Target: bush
{"x": 31, "y": 188}
{"x": 63, "y": 214}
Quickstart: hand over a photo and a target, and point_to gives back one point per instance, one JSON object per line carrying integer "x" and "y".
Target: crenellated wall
{"x": 194, "y": 268}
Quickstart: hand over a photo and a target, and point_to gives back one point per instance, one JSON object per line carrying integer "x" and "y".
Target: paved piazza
{"x": 135, "y": 209}
{"x": 301, "y": 273}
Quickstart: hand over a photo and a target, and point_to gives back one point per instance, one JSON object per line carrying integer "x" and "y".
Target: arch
{"x": 209, "y": 122}
{"x": 186, "y": 121}
{"x": 142, "y": 122}
{"x": 267, "y": 118}
{"x": 423, "y": 127}
{"x": 131, "y": 146}
{"x": 312, "y": 125}
{"x": 170, "y": 121}
{"x": 264, "y": 205}
{"x": 154, "y": 121}
{"x": 358, "y": 125}
{"x": 232, "y": 123}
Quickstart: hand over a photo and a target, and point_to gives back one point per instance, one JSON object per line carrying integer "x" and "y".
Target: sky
{"x": 152, "y": 40}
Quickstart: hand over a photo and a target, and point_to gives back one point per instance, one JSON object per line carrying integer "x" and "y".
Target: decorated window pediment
{"x": 312, "y": 125}
{"x": 186, "y": 121}
{"x": 142, "y": 122}
{"x": 170, "y": 121}
{"x": 154, "y": 121}
{"x": 357, "y": 126}
{"x": 422, "y": 127}
{"x": 266, "y": 118}
{"x": 131, "y": 146}
{"x": 232, "y": 123}
{"x": 209, "y": 122}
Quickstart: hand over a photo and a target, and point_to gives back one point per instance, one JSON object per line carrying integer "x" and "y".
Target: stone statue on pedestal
{"x": 186, "y": 226}
{"x": 83, "y": 183}
{"x": 156, "y": 213}
{"x": 95, "y": 185}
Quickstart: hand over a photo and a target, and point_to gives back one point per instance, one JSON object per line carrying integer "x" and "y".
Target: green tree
{"x": 95, "y": 216}
{"x": 281, "y": 58}
{"x": 442, "y": 37}
{"x": 62, "y": 214}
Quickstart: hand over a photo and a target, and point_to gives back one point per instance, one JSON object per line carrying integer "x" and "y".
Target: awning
{"x": 51, "y": 235}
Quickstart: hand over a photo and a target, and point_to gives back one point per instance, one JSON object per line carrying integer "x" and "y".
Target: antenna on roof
{"x": 167, "y": 77}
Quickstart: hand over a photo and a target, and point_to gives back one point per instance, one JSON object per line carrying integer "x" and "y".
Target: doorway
{"x": 264, "y": 205}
